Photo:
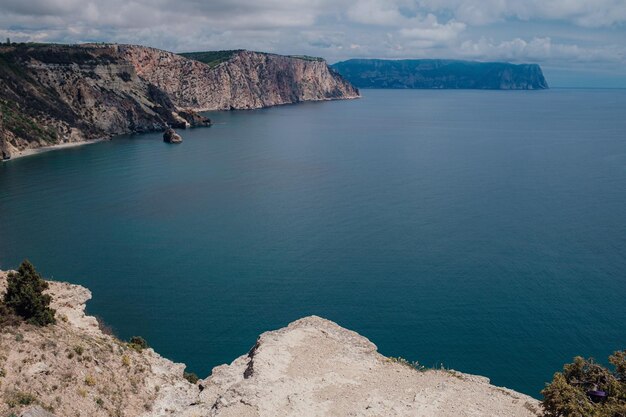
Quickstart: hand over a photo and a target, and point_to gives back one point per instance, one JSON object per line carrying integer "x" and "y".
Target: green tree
{"x": 26, "y": 298}
{"x": 570, "y": 392}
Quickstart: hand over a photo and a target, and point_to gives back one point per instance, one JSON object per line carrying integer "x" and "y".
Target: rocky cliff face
{"x": 438, "y": 73}
{"x": 246, "y": 80}
{"x": 313, "y": 367}
{"x": 55, "y": 94}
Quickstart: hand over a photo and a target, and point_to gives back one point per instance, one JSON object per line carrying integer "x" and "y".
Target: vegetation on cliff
{"x": 52, "y": 94}
{"x": 587, "y": 389}
{"x": 25, "y": 296}
{"x": 211, "y": 58}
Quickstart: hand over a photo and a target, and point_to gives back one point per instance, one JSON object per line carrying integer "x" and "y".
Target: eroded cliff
{"x": 313, "y": 367}
{"x": 243, "y": 80}
{"x": 56, "y": 94}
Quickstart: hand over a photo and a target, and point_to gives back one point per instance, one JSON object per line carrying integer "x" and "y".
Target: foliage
{"x": 138, "y": 343}
{"x": 415, "y": 365}
{"x": 25, "y": 296}
{"x": 7, "y": 317}
{"x": 212, "y": 58}
{"x": 567, "y": 394}
{"x": 90, "y": 381}
{"x": 191, "y": 377}
{"x": 307, "y": 58}
{"x": 125, "y": 361}
{"x": 17, "y": 398}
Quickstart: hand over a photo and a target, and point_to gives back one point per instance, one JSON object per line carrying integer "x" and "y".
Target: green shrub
{"x": 25, "y": 296}
{"x": 138, "y": 343}
{"x": 17, "y": 398}
{"x": 191, "y": 377}
{"x": 567, "y": 394}
{"x": 7, "y": 317}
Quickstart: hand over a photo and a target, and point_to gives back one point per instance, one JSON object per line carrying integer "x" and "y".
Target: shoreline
{"x": 43, "y": 149}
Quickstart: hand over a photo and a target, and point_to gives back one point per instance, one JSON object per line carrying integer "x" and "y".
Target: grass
{"x": 411, "y": 364}
{"x": 211, "y": 58}
{"x": 18, "y": 398}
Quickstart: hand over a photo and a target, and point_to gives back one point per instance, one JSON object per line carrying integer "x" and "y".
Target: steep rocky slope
{"x": 52, "y": 94}
{"x": 313, "y": 367}
{"x": 241, "y": 80}
{"x": 55, "y": 94}
{"x": 440, "y": 73}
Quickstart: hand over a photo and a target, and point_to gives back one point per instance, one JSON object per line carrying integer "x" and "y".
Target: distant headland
{"x": 441, "y": 74}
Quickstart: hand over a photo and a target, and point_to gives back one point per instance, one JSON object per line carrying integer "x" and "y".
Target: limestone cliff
{"x": 313, "y": 367}
{"x": 54, "y": 94}
{"x": 245, "y": 80}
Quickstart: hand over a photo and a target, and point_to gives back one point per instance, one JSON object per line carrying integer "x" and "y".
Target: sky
{"x": 578, "y": 43}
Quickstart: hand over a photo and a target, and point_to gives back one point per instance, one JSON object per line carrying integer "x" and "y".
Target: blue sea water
{"x": 485, "y": 230}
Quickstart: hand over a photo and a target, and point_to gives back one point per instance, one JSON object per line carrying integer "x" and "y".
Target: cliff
{"x": 55, "y": 94}
{"x": 237, "y": 79}
{"x": 313, "y": 367}
{"x": 60, "y": 94}
{"x": 436, "y": 73}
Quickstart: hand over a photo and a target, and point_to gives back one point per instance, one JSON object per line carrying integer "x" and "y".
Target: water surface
{"x": 484, "y": 230}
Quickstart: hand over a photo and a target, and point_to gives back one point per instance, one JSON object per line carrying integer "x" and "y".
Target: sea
{"x": 481, "y": 231}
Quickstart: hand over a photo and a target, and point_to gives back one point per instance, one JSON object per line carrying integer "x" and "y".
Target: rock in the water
{"x": 170, "y": 136}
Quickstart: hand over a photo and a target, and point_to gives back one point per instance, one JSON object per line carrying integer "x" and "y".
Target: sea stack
{"x": 170, "y": 136}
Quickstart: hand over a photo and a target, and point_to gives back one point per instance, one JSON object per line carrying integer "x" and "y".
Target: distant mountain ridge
{"x": 441, "y": 74}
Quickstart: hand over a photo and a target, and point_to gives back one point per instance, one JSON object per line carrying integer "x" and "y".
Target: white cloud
{"x": 539, "y": 50}
{"x": 586, "y": 13}
{"x": 576, "y": 32}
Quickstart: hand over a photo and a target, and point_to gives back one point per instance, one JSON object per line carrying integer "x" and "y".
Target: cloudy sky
{"x": 577, "y": 42}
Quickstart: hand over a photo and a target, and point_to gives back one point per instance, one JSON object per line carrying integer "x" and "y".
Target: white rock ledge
{"x": 312, "y": 367}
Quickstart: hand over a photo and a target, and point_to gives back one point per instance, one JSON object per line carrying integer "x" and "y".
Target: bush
{"x": 25, "y": 296}
{"x": 17, "y": 398}
{"x": 7, "y": 317}
{"x": 191, "y": 377}
{"x": 569, "y": 393}
{"x": 138, "y": 343}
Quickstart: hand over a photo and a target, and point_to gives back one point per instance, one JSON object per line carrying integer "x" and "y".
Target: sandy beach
{"x": 35, "y": 151}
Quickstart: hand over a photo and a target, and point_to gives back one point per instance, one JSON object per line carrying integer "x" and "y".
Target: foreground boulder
{"x": 170, "y": 136}
{"x": 313, "y": 367}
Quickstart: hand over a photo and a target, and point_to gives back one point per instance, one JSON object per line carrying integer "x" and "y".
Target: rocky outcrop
{"x": 441, "y": 73}
{"x": 246, "y": 80}
{"x": 313, "y": 367}
{"x": 170, "y": 136}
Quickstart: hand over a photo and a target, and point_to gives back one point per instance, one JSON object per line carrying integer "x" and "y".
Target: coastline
{"x": 95, "y": 373}
{"x": 42, "y": 149}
